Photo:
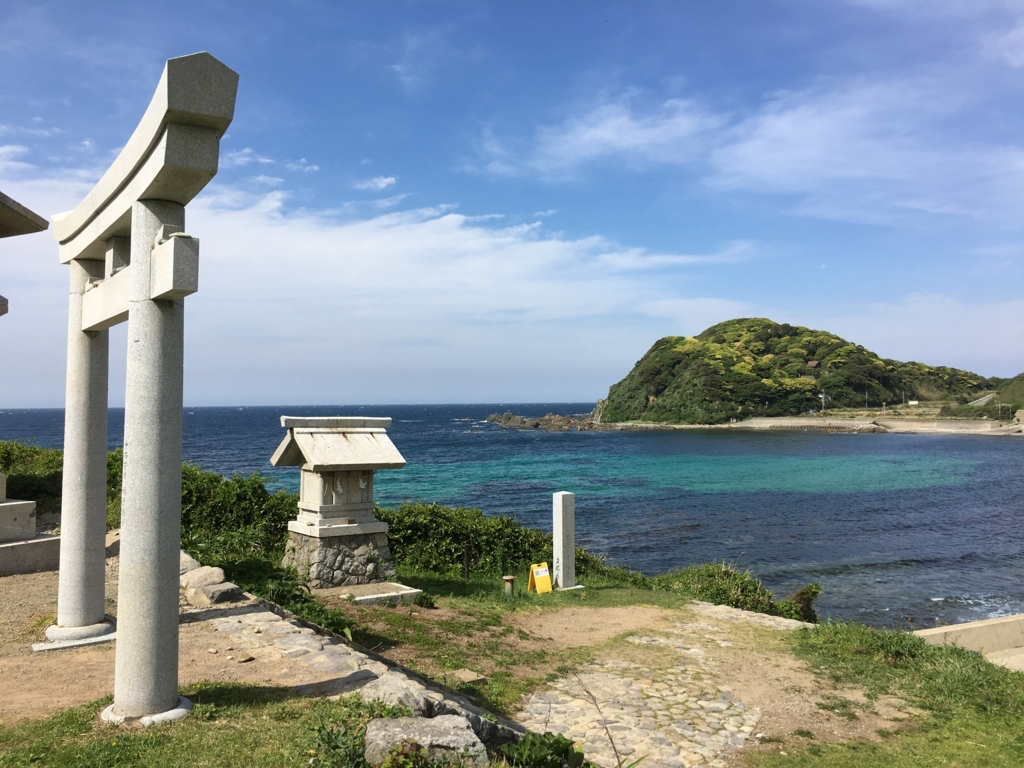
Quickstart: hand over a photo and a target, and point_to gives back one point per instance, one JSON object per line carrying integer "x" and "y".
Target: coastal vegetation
{"x": 756, "y": 367}
{"x": 970, "y": 709}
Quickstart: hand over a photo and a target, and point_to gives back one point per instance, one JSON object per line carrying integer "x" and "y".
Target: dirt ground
{"x": 578, "y": 627}
{"x": 35, "y": 685}
{"x": 751, "y": 660}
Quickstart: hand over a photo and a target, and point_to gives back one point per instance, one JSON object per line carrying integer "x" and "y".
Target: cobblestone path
{"x": 675, "y": 716}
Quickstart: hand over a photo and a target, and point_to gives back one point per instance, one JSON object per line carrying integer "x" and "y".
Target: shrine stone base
{"x": 340, "y": 561}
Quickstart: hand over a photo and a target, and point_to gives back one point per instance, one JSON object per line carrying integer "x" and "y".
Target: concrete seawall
{"x": 1001, "y": 640}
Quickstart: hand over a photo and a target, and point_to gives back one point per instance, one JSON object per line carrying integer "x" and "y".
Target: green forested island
{"x": 757, "y": 367}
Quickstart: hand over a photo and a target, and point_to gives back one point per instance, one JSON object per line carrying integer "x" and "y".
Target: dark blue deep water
{"x": 899, "y": 529}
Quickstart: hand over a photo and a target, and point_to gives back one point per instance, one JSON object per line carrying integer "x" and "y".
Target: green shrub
{"x": 723, "y": 584}
{"x": 594, "y": 569}
{"x": 543, "y": 750}
{"x": 33, "y": 473}
{"x": 238, "y": 514}
{"x": 435, "y": 538}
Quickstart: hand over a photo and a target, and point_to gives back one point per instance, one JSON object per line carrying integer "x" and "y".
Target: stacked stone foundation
{"x": 340, "y": 561}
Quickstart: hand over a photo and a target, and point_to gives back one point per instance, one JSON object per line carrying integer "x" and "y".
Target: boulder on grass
{"x": 393, "y": 689}
{"x": 446, "y": 738}
{"x": 213, "y": 593}
{"x": 200, "y": 577}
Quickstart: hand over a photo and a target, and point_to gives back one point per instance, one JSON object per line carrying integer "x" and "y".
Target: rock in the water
{"x": 200, "y": 577}
{"x": 551, "y": 422}
{"x": 393, "y": 689}
{"x": 446, "y": 738}
{"x": 187, "y": 563}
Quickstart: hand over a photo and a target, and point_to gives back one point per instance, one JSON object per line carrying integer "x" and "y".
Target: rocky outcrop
{"x": 551, "y": 422}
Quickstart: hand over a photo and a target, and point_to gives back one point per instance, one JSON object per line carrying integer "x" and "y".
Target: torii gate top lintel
{"x": 171, "y": 155}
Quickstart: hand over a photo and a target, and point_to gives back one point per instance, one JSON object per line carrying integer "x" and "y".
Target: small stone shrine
{"x": 335, "y": 540}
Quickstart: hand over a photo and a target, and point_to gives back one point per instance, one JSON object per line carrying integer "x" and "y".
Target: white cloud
{"x": 347, "y": 308}
{"x": 377, "y": 183}
{"x": 9, "y": 154}
{"x": 270, "y": 181}
{"x": 640, "y": 259}
{"x": 242, "y": 157}
{"x": 389, "y": 202}
{"x": 873, "y": 150}
{"x": 676, "y": 131}
{"x": 12, "y": 130}
{"x": 302, "y": 165}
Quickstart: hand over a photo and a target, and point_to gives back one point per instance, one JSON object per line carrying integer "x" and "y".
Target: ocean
{"x": 900, "y": 530}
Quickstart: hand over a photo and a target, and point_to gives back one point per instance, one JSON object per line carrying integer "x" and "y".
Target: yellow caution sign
{"x": 540, "y": 579}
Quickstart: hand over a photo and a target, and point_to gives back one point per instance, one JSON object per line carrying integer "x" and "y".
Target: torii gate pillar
{"x": 131, "y": 260}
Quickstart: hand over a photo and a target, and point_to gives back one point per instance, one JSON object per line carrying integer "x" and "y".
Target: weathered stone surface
{"x": 396, "y": 690}
{"x": 340, "y": 561}
{"x": 203, "y": 597}
{"x": 200, "y": 577}
{"x": 186, "y": 563}
{"x": 352, "y": 670}
{"x": 446, "y": 738}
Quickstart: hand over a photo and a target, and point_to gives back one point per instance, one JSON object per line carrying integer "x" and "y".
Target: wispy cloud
{"x": 675, "y": 131}
{"x": 386, "y": 284}
{"x": 9, "y": 154}
{"x": 854, "y": 149}
{"x": 424, "y": 53}
{"x": 243, "y": 157}
{"x": 640, "y": 259}
{"x": 37, "y": 132}
{"x": 389, "y": 202}
{"x": 270, "y": 181}
{"x": 302, "y": 165}
{"x": 377, "y": 183}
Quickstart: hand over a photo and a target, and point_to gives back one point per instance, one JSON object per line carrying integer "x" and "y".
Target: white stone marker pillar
{"x": 564, "y": 537}
{"x": 80, "y": 595}
{"x": 146, "y": 662}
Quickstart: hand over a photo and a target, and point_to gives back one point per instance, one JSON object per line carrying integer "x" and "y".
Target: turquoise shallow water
{"x": 608, "y": 475}
{"x": 906, "y": 530}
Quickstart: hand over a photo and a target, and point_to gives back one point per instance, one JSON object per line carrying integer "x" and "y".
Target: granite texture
{"x": 340, "y": 561}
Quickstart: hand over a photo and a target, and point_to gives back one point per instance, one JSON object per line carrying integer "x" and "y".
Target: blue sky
{"x": 483, "y": 202}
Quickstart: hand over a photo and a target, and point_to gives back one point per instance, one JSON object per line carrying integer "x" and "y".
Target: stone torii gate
{"x": 130, "y": 260}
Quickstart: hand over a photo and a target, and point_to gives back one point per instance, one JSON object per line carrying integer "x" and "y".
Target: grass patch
{"x": 232, "y": 724}
{"x": 973, "y": 708}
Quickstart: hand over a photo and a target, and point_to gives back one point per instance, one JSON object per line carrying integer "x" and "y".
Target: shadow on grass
{"x": 226, "y": 695}
{"x": 455, "y": 586}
